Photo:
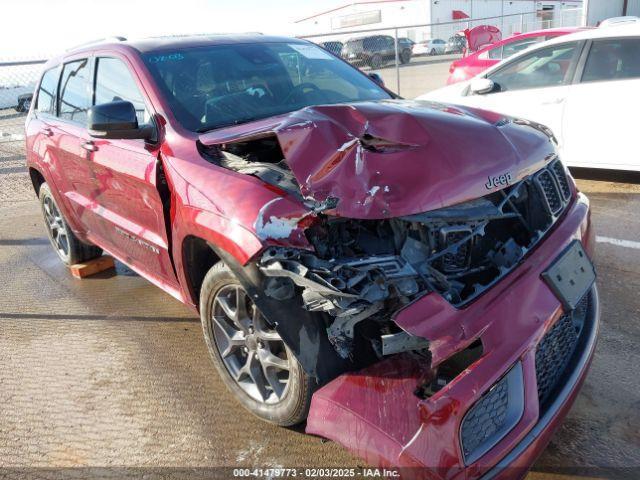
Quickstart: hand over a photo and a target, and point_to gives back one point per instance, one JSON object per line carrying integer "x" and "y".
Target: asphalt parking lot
{"x": 111, "y": 375}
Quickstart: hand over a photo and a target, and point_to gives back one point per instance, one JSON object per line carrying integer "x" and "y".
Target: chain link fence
{"x": 407, "y": 56}
{"x": 18, "y": 77}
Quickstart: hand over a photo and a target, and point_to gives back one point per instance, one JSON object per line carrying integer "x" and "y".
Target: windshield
{"x": 215, "y": 86}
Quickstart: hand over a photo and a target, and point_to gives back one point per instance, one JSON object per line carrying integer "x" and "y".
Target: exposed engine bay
{"x": 361, "y": 272}
{"x": 368, "y": 269}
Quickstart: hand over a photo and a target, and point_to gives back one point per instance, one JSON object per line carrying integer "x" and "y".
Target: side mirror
{"x": 376, "y": 78}
{"x": 116, "y": 120}
{"x": 481, "y": 86}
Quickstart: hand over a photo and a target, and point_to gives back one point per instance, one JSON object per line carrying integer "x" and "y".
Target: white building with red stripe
{"x": 510, "y": 16}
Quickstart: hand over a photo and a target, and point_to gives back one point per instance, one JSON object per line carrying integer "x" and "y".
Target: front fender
{"x": 304, "y": 332}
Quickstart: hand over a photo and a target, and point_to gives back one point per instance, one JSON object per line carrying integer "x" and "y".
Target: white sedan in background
{"x": 585, "y": 87}
{"x": 429, "y": 47}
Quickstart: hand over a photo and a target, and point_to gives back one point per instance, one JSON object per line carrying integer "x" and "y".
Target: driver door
{"x": 534, "y": 86}
{"x": 127, "y": 181}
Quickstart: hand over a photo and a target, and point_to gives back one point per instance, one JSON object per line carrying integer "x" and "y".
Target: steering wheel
{"x": 300, "y": 89}
{"x": 259, "y": 90}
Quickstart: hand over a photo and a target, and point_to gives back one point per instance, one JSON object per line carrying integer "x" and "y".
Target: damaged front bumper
{"x": 378, "y": 413}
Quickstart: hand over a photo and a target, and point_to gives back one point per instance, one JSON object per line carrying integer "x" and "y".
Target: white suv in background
{"x": 584, "y": 86}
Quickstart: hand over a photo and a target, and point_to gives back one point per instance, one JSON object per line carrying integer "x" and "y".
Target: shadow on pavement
{"x": 620, "y": 176}
{"x": 117, "y": 318}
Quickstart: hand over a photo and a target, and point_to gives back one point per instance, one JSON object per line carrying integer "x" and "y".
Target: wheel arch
{"x": 37, "y": 179}
{"x": 197, "y": 259}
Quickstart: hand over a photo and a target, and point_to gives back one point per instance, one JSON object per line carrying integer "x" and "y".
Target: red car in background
{"x": 479, "y": 61}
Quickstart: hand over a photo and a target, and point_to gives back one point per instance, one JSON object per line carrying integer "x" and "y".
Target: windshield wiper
{"x": 230, "y": 124}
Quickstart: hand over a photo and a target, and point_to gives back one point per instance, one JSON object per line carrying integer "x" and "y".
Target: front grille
{"x": 493, "y": 416}
{"x": 485, "y": 418}
{"x": 561, "y": 178}
{"x": 547, "y": 185}
{"x": 556, "y": 349}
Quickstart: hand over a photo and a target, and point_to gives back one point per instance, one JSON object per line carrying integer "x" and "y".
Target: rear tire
{"x": 433, "y": 52}
{"x": 69, "y": 248}
{"x": 405, "y": 57}
{"x": 251, "y": 358}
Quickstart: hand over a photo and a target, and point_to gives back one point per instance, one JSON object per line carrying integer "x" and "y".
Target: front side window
{"x": 546, "y": 67}
{"x": 220, "y": 85}
{"x": 47, "y": 93}
{"x": 75, "y": 91}
{"x": 609, "y": 60}
{"x": 114, "y": 82}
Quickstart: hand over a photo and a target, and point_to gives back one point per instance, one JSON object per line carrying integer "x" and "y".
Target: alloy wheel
{"x": 251, "y": 350}
{"x": 56, "y": 227}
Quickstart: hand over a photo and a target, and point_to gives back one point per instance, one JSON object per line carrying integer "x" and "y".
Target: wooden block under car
{"x": 91, "y": 267}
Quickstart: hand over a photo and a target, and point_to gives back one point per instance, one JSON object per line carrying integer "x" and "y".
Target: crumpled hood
{"x": 396, "y": 158}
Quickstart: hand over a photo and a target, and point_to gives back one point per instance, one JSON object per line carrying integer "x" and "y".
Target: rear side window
{"x": 75, "y": 91}
{"x": 46, "y": 101}
{"x": 114, "y": 82}
{"x": 610, "y": 60}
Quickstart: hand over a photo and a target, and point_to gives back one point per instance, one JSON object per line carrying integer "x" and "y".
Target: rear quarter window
{"x": 48, "y": 91}
{"x": 613, "y": 59}
{"x": 75, "y": 91}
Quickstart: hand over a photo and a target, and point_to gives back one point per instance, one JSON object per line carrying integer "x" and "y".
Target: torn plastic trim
{"x": 350, "y": 290}
{"x": 302, "y": 331}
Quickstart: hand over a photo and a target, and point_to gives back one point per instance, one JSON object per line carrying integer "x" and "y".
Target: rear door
{"x": 126, "y": 178}
{"x": 601, "y": 116}
{"x": 70, "y": 141}
{"x": 39, "y": 132}
{"x": 533, "y": 86}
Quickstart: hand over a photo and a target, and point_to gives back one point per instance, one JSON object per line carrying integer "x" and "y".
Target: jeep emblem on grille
{"x": 498, "y": 181}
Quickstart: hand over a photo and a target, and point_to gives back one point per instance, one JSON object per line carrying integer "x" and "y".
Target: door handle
{"x": 554, "y": 101}
{"x": 46, "y": 131}
{"x": 90, "y": 146}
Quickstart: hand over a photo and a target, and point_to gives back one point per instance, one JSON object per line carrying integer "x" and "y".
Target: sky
{"x": 33, "y": 28}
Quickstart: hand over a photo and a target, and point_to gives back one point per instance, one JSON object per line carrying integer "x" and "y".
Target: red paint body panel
{"x": 477, "y": 62}
{"x": 510, "y": 319}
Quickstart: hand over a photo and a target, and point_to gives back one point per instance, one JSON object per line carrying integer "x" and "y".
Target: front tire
{"x": 67, "y": 246}
{"x": 250, "y": 356}
{"x": 375, "y": 61}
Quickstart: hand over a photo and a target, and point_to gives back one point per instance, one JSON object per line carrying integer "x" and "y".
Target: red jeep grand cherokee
{"x": 411, "y": 278}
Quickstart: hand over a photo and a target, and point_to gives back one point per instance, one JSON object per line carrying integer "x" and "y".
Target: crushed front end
{"x": 420, "y": 262}
{"x": 504, "y": 371}
{"x": 365, "y": 270}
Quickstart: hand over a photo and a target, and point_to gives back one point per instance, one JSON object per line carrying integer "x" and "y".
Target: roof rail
{"x": 99, "y": 40}
{"x": 202, "y": 34}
